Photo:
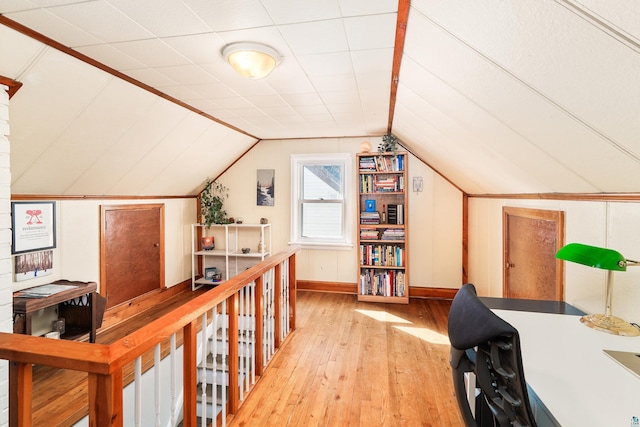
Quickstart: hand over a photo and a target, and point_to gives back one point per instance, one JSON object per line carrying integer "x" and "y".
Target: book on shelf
{"x": 382, "y": 255}
{"x": 395, "y": 214}
{"x": 368, "y": 164}
{"x": 369, "y": 234}
{"x": 370, "y": 218}
{"x": 386, "y": 283}
{"x": 392, "y": 234}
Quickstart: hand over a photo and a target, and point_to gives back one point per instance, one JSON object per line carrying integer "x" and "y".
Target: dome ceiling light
{"x": 252, "y": 60}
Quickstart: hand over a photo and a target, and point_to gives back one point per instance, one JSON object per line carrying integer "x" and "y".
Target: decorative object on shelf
{"x": 207, "y": 243}
{"x": 606, "y": 259}
{"x": 264, "y": 221}
{"x": 260, "y": 246}
{"x": 210, "y": 273}
{"x": 211, "y": 203}
{"x": 389, "y": 144}
{"x": 265, "y": 187}
{"x": 365, "y": 147}
{"x": 239, "y": 220}
{"x": 246, "y": 250}
{"x": 369, "y": 205}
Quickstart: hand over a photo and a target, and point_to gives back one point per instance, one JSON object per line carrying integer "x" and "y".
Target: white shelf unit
{"x": 227, "y": 256}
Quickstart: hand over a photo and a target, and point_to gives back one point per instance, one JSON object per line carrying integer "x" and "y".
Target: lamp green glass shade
{"x": 606, "y": 259}
{"x": 593, "y": 256}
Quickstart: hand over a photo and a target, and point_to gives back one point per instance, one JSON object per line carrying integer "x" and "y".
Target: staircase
{"x": 213, "y": 365}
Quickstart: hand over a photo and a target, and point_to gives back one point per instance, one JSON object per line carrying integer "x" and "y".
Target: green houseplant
{"x": 212, "y": 203}
{"x": 389, "y": 144}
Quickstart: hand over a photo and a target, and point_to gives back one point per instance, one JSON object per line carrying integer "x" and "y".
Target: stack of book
{"x": 369, "y": 234}
{"x": 389, "y": 183}
{"x": 369, "y": 218}
{"x": 367, "y": 164}
{"x": 393, "y": 234}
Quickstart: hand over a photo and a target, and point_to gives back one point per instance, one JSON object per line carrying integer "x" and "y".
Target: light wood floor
{"x": 358, "y": 364}
{"x": 347, "y": 364}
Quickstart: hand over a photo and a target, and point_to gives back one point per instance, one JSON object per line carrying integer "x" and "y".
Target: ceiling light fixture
{"x": 252, "y": 60}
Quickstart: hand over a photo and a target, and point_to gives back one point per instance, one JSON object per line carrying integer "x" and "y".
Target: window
{"x": 321, "y": 200}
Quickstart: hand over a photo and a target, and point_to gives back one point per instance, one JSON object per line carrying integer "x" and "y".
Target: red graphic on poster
{"x": 34, "y": 216}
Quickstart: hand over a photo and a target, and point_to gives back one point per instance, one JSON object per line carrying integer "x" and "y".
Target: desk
{"x": 565, "y": 367}
{"x": 78, "y": 305}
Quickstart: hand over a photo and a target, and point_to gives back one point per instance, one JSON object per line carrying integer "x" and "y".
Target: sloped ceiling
{"x": 497, "y": 96}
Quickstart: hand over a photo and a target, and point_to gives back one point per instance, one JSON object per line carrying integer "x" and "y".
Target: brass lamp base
{"x": 610, "y": 324}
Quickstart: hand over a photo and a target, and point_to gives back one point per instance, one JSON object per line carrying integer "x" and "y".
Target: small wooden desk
{"x": 79, "y": 306}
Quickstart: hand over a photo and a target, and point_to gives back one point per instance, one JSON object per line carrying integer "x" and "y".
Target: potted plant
{"x": 389, "y": 144}
{"x": 212, "y": 202}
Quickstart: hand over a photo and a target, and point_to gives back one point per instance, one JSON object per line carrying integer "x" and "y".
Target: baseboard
{"x": 351, "y": 288}
{"x": 122, "y": 312}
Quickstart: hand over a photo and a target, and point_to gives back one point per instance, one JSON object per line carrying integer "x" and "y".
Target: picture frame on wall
{"x": 33, "y": 225}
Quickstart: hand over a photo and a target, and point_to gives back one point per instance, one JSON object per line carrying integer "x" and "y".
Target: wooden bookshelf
{"x": 382, "y": 227}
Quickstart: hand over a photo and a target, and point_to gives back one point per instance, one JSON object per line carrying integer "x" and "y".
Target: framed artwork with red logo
{"x": 33, "y": 225}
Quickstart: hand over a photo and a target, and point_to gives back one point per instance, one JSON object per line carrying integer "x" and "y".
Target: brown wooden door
{"x": 132, "y": 251}
{"x": 531, "y": 239}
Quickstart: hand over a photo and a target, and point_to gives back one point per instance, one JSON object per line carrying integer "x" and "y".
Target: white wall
{"x": 77, "y": 252}
{"x": 607, "y": 224}
{"x": 435, "y": 214}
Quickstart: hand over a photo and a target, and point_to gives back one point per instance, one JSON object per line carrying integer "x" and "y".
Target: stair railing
{"x": 257, "y": 307}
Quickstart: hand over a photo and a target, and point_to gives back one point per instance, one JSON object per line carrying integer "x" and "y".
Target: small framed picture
{"x": 370, "y": 205}
{"x": 210, "y": 273}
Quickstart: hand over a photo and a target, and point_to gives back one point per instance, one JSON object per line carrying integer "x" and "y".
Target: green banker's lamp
{"x": 606, "y": 259}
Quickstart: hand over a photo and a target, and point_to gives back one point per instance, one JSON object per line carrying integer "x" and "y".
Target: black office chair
{"x": 484, "y": 344}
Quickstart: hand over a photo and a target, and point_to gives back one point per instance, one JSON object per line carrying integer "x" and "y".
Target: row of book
{"x": 387, "y": 234}
{"x": 381, "y": 183}
{"x": 395, "y": 213}
{"x": 388, "y": 283}
{"x": 382, "y": 255}
{"x": 382, "y": 163}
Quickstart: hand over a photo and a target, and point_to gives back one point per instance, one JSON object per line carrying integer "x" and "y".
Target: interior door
{"x": 132, "y": 251}
{"x": 531, "y": 239}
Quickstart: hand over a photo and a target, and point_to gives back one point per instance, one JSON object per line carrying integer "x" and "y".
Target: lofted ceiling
{"x": 499, "y": 96}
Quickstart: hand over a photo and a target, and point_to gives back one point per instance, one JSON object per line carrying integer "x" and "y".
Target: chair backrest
{"x": 484, "y": 344}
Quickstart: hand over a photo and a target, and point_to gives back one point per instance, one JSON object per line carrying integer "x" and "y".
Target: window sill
{"x": 324, "y": 246}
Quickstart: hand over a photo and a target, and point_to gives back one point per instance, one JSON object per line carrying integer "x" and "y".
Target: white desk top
{"x": 566, "y": 368}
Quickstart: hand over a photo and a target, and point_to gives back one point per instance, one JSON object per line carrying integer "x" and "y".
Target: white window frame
{"x": 345, "y": 160}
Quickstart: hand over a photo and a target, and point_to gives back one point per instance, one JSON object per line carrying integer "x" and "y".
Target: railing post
{"x": 234, "y": 344}
{"x": 259, "y": 312}
{"x": 190, "y": 381}
{"x": 277, "y": 301}
{"x": 292, "y": 291}
{"x": 105, "y": 399}
{"x": 20, "y": 396}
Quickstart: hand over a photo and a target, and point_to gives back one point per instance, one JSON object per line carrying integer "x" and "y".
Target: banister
{"x": 105, "y": 363}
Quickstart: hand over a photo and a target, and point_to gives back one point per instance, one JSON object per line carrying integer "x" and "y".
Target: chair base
{"x": 610, "y": 324}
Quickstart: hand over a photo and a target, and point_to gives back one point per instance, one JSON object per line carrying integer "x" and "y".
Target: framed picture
{"x": 33, "y": 225}
{"x": 369, "y": 205}
{"x": 209, "y": 273}
{"x": 265, "y": 187}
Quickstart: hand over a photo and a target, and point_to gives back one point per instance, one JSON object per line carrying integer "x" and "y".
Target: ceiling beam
{"x": 11, "y": 84}
{"x": 401, "y": 30}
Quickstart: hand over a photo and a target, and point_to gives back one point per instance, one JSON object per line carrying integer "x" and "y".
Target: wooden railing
{"x": 264, "y": 295}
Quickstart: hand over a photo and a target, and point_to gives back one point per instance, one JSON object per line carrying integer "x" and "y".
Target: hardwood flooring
{"x": 347, "y": 364}
{"x": 358, "y": 364}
